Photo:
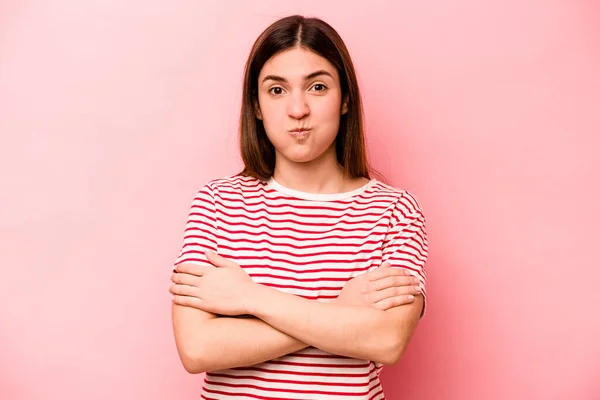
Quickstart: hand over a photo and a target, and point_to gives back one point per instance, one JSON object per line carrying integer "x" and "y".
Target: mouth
{"x": 300, "y": 133}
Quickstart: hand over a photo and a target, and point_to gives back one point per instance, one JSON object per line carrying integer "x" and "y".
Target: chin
{"x": 300, "y": 157}
{"x": 300, "y": 160}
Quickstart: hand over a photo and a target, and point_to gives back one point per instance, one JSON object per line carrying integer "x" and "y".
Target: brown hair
{"x": 258, "y": 154}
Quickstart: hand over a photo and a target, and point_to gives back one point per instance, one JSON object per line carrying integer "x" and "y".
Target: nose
{"x": 297, "y": 106}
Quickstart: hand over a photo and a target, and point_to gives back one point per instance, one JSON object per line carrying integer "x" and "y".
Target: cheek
{"x": 328, "y": 117}
{"x": 273, "y": 127}
{"x": 273, "y": 115}
{"x": 327, "y": 110}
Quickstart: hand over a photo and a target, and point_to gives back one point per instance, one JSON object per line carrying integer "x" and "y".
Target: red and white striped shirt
{"x": 308, "y": 245}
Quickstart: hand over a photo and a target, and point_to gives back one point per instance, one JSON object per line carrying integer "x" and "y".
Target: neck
{"x": 322, "y": 175}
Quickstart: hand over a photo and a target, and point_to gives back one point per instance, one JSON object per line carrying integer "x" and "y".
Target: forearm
{"x": 238, "y": 342}
{"x": 358, "y": 332}
{"x": 228, "y": 342}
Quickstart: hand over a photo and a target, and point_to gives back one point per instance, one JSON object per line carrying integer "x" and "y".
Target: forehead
{"x": 296, "y": 63}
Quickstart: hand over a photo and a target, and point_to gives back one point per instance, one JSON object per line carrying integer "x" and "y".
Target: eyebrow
{"x": 307, "y": 77}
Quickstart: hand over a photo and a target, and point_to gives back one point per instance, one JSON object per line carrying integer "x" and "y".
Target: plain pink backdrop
{"x": 113, "y": 114}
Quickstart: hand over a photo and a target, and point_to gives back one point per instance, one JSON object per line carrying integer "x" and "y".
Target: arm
{"x": 359, "y": 332}
{"x": 200, "y": 336}
{"x": 219, "y": 343}
{"x": 206, "y": 343}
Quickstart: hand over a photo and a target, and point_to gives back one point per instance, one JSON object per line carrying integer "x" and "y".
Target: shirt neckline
{"x": 273, "y": 184}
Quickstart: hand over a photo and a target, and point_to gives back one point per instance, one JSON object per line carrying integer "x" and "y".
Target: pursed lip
{"x": 296, "y": 130}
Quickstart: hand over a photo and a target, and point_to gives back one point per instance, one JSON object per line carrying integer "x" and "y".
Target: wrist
{"x": 252, "y": 298}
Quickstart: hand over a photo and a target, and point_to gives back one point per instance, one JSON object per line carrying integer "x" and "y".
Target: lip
{"x": 300, "y": 133}
{"x": 299, "y": 130}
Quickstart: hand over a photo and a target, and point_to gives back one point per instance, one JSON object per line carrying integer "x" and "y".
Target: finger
{"x": 217, "y": 260}
{"x": 184, "y": 290}
{"x": 395, "y": 301}
{"x": 185, "y": 279}
{"x": 192, "y": 269}
{"x": 394, "y": 281}
{"x": 187, "y": 301}
{"x": 379, "y": 273}
{"x": 386, "y": 265}
{"x": 393, "y": 292}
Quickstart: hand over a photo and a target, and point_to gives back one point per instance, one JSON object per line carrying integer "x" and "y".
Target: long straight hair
{"x": 258, "y": 153}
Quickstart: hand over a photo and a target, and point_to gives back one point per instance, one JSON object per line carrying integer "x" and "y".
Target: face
{"x": 300, "y": 89}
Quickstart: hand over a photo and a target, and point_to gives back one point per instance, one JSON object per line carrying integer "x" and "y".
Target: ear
{"x": 345, "y": 106}
{"x": 257, "y": 110}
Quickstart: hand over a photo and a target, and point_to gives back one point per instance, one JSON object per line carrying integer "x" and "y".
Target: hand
{"x": 219, "y": 289}
{"x": 382, "y": 288}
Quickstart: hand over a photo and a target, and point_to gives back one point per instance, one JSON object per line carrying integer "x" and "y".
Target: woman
{"x": 319, "y": 271}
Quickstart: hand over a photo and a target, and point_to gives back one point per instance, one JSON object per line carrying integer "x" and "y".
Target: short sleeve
{"x": 200, "y": 230}
{"x": 405, "y": 245}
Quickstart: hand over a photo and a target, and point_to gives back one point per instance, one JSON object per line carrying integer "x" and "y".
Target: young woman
{"x": 300, "y": 277}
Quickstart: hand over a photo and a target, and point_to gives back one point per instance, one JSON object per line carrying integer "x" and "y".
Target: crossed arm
{"x": 285, "y": 323}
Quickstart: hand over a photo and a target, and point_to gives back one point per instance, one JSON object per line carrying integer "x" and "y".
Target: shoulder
{"x": 405, "y": 200}
{"x": 232, "y": 184}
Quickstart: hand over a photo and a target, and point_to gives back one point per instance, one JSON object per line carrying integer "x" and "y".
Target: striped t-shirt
{"x": 308, "y": 245}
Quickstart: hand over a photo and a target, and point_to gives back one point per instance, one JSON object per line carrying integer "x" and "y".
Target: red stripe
{"x": 240, "y": 259}
{"x": 377, "y": 394}
{"x": 312, "y": 355}
{"x": 294, "y": 246}
{"x": 342, "y": 261}
{"x": 254, "y": 227}
{"x": 299, "y": 364}
{"x": 273, "y": 195}
{"x": 296, "y": 254}
{"x": 290, "y": 381}
{"x": 380, "y": 205}
{"x": 337, "y": 219}
{"x": 280, "y": 286}
{"x": 278, "y": 390}
{"x": 320, "y": 279}
{"x": 285, "y": 203}
{"x": 195, "y": 228}
{"x": 319, "y": 234}
{"x": 196, "y": 214}
{"x": 231, "y": 240}
{"x": 311, "y": 271}
{"x": 321, "y": 237}
{"x": 304, "y": 373}
{"x": 254, "y": 396}
{"x": 420, "y": 255}
{"x": 210, "y": 207}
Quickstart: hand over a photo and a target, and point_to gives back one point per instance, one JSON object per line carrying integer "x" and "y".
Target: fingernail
{"x": 411, "y": 297}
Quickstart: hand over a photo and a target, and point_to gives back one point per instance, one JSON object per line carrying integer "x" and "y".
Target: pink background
{"x": 113, "y": 114}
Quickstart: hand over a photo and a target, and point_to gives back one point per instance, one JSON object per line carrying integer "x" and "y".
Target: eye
{"x": 320, "y": 85}
{"x": 276, "y": 88}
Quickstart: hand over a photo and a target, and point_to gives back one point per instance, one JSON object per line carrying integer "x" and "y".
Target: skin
{"x": 375, "y": 314}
